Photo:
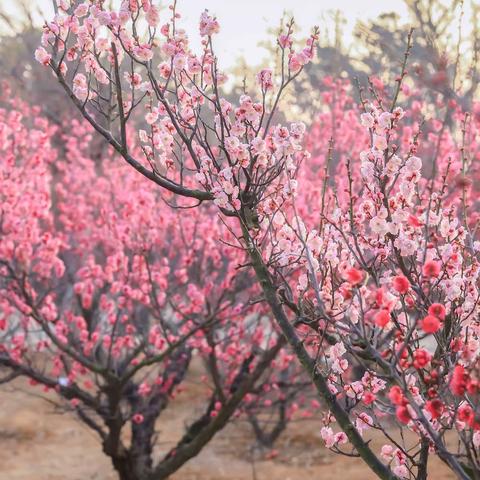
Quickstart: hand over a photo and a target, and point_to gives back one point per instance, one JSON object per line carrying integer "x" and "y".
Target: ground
{"x": 39, "y": 443}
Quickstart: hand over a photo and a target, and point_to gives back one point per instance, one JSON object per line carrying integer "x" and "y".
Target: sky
{"x": 244, "y": 23}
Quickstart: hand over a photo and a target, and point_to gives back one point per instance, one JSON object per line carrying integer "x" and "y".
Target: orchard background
{"x": 239, "y": 268}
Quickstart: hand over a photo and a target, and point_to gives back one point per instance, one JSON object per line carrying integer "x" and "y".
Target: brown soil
{"x": 38, "y": 442}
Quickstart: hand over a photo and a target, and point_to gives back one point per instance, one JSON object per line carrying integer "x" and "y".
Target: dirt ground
{"x": 39, "y": 443}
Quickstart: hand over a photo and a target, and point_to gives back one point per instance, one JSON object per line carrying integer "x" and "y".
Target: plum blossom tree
{"x": 107, "y": 304}
{"x": 417, "y": 343}
{"x": 377, "y": 268}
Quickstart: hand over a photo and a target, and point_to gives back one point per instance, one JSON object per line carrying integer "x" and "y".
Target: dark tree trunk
{"x": 125, "y": 468}
{"x": 141, "y": 449}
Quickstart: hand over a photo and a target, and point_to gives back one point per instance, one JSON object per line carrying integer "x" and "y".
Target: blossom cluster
{"x": 188, "y": 125}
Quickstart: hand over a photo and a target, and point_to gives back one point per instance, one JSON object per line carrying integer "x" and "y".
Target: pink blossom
{"x": 153, "y": 16}
{"x": 379, "y": 142}
{"x": 264, "y": 79}
{"x": 367, "y": 120}
{"x": 42, "y": 56}
{"x": 81, "y": 10}
{"x": 144, "y": 53}
{"x": 328, "y": 436}
{"x": 413, "y": 164}
{"x": 401, "y": 471}
{"x": 144, "y": 389}
{"x": 208, "y": 25}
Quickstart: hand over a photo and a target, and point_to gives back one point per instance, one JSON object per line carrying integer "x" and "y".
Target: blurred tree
{"x": 19, "y": 37}
{"x": 445, "y": 49}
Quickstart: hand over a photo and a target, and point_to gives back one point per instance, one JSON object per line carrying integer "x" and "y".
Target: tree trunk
{"x": 125, "y": 468}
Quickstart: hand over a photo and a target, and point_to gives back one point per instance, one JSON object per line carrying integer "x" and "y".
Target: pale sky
{"x": 244, "y": 22}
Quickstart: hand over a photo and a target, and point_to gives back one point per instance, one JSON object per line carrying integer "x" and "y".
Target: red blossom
{"x": 414, "y": 221}
{"x": 354, "y": 276}
{"x": 403, "y": 414}
{"x": 458, "y": 383}
{"x": 437, "y": 310}
{"x": 430, "y": 324}
{"x": 421, "y": 358}
{"x": 431, "y": 269}
{"x": 137, "y": 418}
{"x": 368, "y": 398}
{"x": 401, "y": 284}
{"x": 435, "y": 407}
{"x": 382, "y": 318}
{"x": 396, "y": 395}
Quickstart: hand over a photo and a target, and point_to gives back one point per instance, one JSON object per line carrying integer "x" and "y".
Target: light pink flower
{"x": 42, "y": 56}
